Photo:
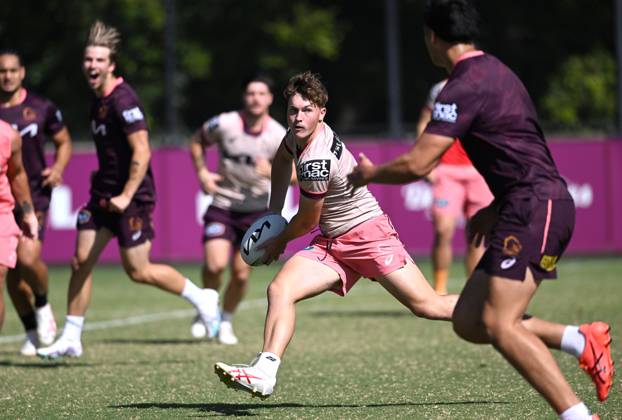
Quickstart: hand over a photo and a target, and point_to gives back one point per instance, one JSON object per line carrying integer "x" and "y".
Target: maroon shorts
{"x": 42, "y": 217}
{"x": 132, "y": 227}
{"x": 530, "y": 233}
{"x": 228, "y": 224}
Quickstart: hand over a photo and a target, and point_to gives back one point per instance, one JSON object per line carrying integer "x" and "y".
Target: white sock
{"x": 268, "y": 363}
{"x": 227, "y": 316}
{"x": 573, "y": 342}
{"x": 73, "y": 327}
{"x": 197, "y": 296}
{"x": 576, "y": 412}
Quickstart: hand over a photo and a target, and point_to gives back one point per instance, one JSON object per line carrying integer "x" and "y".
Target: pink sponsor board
{"x": 591, "y": 168}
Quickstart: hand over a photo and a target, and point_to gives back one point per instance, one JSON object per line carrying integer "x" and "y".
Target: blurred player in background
{"x": 122, "y": 197}
{"x": 247, "y": 141}
{"x": 459, "y": 191}
{"x": 13, "y": 187}
{"x": 36, "y": 119}
{"x": 357, "y": 239}
{"x": 528, "y": 225}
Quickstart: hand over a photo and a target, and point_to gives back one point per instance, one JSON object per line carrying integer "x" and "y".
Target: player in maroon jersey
{"x": 37, "y": 120}
{"x": 529, "y": 223}
{"x": 122, "y": 197}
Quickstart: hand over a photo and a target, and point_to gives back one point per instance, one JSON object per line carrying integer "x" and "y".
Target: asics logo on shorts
{"x": 508, "y": 263}
{"x": 388, "y": 260}
{"x": 136, "y": 235}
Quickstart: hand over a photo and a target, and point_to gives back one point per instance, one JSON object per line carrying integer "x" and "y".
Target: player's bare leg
{"x": 22, "y": 298}
{"x": 141, "y": 270}
{"x": 30, "y": 280}
{"x": 216, "y": 254}
{"x": 409, "y": 286}
{"x": 300, "y": 278}
{"x": 444, "y": 226}
{"x": 234, "y": 293}
{"x": 89, "y": 246}
{"x": 490, "y": 309}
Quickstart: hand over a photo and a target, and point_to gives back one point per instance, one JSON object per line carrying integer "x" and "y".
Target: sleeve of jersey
{"x": 314, "y": 178}
{"x": 53, "y": 119}
{"x": 210, "y": 131}
{"x": 131, "y": 115}
{"x": 453, "y": 112}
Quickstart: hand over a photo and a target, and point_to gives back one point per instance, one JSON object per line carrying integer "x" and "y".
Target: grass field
{"x": 360, "y": 357}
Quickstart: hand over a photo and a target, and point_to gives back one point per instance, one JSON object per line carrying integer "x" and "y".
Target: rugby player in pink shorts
{"x": 357, "y": 239}
{"x": 13, "y": 187}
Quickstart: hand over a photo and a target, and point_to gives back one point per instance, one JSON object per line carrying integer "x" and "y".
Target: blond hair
{"x": 101, "y": 35}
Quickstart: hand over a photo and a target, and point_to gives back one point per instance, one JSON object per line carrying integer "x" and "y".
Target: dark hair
{"x": 309, "y": 86}
{"x": 455, "y": 21}
{"x": 8, "y": 51}
{"x": 259, "y": 77}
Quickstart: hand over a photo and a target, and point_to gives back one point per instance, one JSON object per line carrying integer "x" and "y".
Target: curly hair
{"x": 309, "y": 86}
{"x": 101, "y": 35}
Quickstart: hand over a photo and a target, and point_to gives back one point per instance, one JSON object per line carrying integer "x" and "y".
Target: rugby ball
{"x": 262, "y": 229}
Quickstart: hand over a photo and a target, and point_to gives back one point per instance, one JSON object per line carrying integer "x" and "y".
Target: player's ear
{"x": 322, "y": 113}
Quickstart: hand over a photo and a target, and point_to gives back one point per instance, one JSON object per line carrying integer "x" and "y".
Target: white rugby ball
{"x": 262, "y": 229}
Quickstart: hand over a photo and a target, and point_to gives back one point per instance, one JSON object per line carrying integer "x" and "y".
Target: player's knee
{"x": 465, "y": 324}
{"x": 77, "y": 262}
{"x": 138, "y": 275}
{"x": 277, "y": 291}
{"x": 214, "y": 268}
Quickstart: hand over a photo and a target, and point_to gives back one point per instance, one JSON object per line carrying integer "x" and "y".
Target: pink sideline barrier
{"x": 592, "y": 170}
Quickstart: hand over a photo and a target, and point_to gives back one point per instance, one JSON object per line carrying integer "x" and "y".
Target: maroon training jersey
{"x": 486, "y": 105}
{"x": 113, "y": 118}
{"x": 36, "y": 119}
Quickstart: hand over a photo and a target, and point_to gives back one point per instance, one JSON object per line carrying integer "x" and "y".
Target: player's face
{"x": 97, "y": 67}
{"x": 303, "y": 116}
{"x": 11, "y": 73}
{"x": 257, "y": 98}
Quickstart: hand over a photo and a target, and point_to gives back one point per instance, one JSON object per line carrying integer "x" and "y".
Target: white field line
{"x": 142, "y": 319}
{"x": 160, "y": 316}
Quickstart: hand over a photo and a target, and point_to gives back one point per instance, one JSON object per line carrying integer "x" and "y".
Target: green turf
{"x": 359, "y": 357}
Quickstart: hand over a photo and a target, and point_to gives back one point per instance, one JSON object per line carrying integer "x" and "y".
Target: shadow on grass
{"x": 243, "y": 409}
{"x": 44, "y": 364}
{"x": 362, "y": 314}
{"x": 152, "y": 341}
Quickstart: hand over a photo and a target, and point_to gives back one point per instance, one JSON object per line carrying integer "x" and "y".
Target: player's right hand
{"x": 30, "y": 225}
{"x": 209, "y": 181}
{"x": 481, "y": 224}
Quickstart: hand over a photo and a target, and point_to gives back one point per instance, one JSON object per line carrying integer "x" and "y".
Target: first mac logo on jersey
{"x": 445, "y": 112}
{"x": 314, "y": 170}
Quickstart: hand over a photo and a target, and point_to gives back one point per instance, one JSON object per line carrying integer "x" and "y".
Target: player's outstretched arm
{"x": 409, "y": 167}
{"x": 19, "y": 186}
{"x": 207, "y": 180}
{"x": 280, "y": 178}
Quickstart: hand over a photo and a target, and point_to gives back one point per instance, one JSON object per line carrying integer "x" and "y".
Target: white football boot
{"x": 61, "y": 348}
{"x": 29, "y": 348}
{"x": 247, "y": 378}
{"x": 46, "y": 326}
{"x": 197, "y": 329}
{"x": 210, "y": 313}
{"x": 226, "y": 335}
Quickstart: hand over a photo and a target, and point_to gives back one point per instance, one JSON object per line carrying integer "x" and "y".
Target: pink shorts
{"x": 371, "y": 249}
{"x": 9, "y": 238}
{"x": 459, "y": 190}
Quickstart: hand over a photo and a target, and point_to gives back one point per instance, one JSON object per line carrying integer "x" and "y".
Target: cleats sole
{"x": 232, "y": 383}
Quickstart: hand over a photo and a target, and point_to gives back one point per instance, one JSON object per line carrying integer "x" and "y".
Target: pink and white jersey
{"x": 322, "y": 168}
{"x": 6, "y": 197}
{"x": 241, "y": 188}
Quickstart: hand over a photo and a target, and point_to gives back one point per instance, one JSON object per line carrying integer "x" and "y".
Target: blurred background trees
{"x": 562, "y": 49}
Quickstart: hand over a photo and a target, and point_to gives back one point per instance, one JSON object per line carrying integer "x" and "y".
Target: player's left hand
{"x": 273, "y": 250}
{"x": 263, "y": 168}
{"x": 52, "y": 177}
{"x": 30, "y": 225}
{"x": 119, "y": 203}
{"x": 362, "y": 173}
{"x": 481, "y": 224}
